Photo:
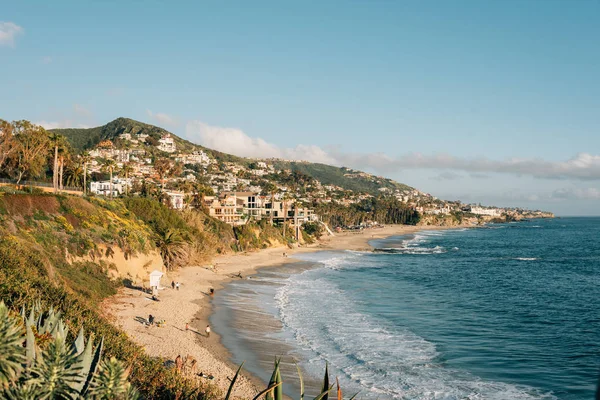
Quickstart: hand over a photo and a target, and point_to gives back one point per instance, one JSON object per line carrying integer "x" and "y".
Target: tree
{"x": 126, "y": 170}
{"x": 162, "y": 166}
{"x": 56, "y": 141}
{"x": 109, "y": 165}
{"x": 75, "y": 173}
{"x": 7, "y": 142}
{"x": 29, "y": 156}
{"x": 171, "y": 245}
{"x": 86, "y": 158}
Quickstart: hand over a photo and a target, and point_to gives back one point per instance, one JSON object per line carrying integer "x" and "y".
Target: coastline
{"x": 192, "y": 304}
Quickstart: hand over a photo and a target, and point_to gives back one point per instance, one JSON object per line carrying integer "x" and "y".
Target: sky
{"x": 493, "y": 102}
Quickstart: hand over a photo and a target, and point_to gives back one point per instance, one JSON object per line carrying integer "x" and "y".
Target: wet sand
{"x": 191, "y": 304}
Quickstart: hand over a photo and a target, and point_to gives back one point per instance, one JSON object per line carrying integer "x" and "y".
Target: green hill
{"x": 345, "y": 178}
{"x": 83, "y": 139}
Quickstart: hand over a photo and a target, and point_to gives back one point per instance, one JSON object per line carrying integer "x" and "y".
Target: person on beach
{"x": 212, "y": 291}
{"x": 151, "y": 319}
{"x": 187, "y": 326}
{"x": 172, "y": 284}
{"x": 179, "y": 363}
{"x": 177, "y": 285}
{"x": 207, "y": 330}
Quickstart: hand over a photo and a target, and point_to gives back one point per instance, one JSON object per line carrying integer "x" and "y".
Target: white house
{"x": 167, "y": 144}
{"x": 492, "y": 212}
{"x": 102, "y": 188}
{"x": 176, "y": 199}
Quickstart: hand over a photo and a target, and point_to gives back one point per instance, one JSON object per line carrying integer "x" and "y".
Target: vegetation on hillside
{"x": 83, "y": 139}
{"x": 87, "y": 138}
{"x": 26, "y": 274}
{"x": 342, "y": 177}
{"x": 40, "y": 358}
{"x": 383, "y": 210}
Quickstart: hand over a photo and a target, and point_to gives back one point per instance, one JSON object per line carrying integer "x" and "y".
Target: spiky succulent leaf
{"x": 31, "y": 319}
{"x": 30, "y": 345}
{"x": 79, "y": 344}
{"x": 22, "y": 391}
{"x": 93, "y": 367}
{"x": 339, "y": 390}
{"x": 301, "y": 383}
{"x": 272, "y": 381}
{"x": 325, "y": 388}
{"x": 278, "y": 392}
{"x": 230, "y": 390}
{"x": 84, "y": 361}
{"x": 110, "y": 382}
{"x": 12, "y": 355}
{"x": 55, "y": 372}
{"x": 267, "y": 390}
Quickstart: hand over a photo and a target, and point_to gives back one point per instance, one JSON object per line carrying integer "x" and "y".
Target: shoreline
{"x": 192, "y": 304}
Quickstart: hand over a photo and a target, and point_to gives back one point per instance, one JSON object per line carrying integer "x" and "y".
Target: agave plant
{"x": 48, "y": 367}
{"x": 274, "y": 390}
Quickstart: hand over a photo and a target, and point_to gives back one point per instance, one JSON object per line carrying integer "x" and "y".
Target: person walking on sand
{"x": 172, "y": 284}
{"x": 177, "y": 285}
{"x": 207, "y": 330}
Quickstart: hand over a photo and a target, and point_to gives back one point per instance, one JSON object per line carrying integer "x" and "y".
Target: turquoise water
{"x": 505, "y": 312}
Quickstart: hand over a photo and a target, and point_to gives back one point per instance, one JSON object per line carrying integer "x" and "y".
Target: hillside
{"x": 71, "y": 253}
{"x": 347, "y": 179}
{"x": 85, "y": 139}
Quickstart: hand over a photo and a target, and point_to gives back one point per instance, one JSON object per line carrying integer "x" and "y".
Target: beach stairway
{"x": 327, "y": 228}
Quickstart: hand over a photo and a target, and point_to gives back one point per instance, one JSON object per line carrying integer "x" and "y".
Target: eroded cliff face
{"x": 448, "y": 220}
{"x": 120, "y": 265}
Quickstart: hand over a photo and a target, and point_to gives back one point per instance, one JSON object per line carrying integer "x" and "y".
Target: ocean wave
{"x": 525, "y": 258}
{"x": 412, "y": 250}
{"x": 371, "y": 356}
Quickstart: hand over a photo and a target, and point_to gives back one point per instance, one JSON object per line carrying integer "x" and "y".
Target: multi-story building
{"x": 167, "y": 144}
{"x": 228, "y": 209}
{"x": 102, "y": 188}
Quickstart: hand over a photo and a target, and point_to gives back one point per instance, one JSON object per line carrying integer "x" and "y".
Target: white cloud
{"x": 162, "y": 118}
{"x": 66, "y": 123}
{"x": 235, "y": 141}
{"x": 447, "y": 176}
{"x": 583, "y": 166}
{"x": 576, "y": 194}
{"x": 8, "y": 33}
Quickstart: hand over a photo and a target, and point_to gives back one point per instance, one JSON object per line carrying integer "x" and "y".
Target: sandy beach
{"x": 191, "y": 304}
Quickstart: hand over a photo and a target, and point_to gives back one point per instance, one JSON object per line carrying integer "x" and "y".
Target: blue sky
{"x": 494, "y": 102}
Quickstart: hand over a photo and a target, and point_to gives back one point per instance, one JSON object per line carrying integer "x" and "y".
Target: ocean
{"x": 509, "y": 311}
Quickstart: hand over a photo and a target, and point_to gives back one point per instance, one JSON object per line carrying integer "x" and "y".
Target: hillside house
{"x": 228, "y": 209}
{"x": 102, "y": 188}
{"x": 176, "y": 199}
{"x": 167, "y": 144}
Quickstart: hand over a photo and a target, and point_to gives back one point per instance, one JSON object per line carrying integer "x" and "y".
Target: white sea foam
{"x": 525, "y": 258}
{"x": 368, "y": 355}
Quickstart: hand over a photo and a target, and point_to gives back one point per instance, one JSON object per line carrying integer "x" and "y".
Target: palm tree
{"x": 60, "y": 145}
{"x": 85, "y": 159}
{"x": 126, "y": 170}
{"x": 55, "y": 140}
{"x": 109, "y": 165}
{"x": 162, "y": 167}
{"x": 75, "y": 171}
{"x": 171, "y": 245}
